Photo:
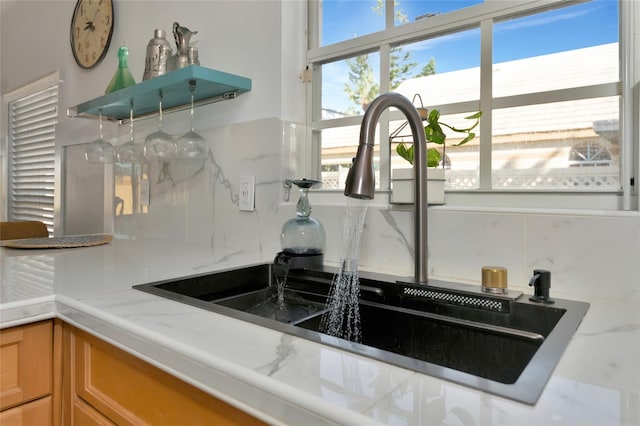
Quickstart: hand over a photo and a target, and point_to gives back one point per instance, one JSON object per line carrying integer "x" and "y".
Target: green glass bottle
{"x": 122, "y": 78}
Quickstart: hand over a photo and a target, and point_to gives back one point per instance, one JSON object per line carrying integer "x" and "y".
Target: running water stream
{"x": 276, "y": 307}
{"x": 282, "y": 264}
{"x": 281, "y": 305}
{"x": 342, "y": 318}
{"x": 342, "y": 314}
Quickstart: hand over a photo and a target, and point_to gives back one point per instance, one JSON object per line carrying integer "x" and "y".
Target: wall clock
{"x": 91, "y": 30}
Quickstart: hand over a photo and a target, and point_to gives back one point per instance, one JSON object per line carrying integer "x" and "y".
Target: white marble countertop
{"x": 288, "y": 380}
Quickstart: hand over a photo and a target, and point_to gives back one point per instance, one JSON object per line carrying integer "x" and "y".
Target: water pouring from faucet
{"x": 360, "y": 181}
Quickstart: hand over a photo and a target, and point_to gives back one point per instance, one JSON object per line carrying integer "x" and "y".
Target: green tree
{"x": 362, "y": 88}
{"x": 400, "y": 16}
{"x": 429, "y": 69}
{"x": 400, "y": 66}
{"x": 400, "y": 62}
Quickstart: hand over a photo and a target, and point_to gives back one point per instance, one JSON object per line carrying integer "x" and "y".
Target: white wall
{"x": 240, "y": 37}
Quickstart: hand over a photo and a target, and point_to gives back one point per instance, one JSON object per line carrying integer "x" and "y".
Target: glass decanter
{"x": 303, "y": 235}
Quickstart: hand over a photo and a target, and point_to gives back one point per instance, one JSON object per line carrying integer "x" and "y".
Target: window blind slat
{"x": 30, "y": 155}
{"x": 32, "y": 168}
{"x": 30, "y": 191}
{"x": 35, "y": 206}
{"x": 35, "y": 113}
{"x": 36, "y": 144}
{"x": 34, "y": 155}
{"x": 43, "y": 113}
{"x": 25, "y": 129}
{"x": 25, "y": 108}
{"x": 35, "y": 173}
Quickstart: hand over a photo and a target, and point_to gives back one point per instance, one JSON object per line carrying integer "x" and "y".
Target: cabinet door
{"x": 37, "y": 412}
{"x": 25, "y": 370}
{"x": 129, "y": 391}
{"x": 86, "y": 415}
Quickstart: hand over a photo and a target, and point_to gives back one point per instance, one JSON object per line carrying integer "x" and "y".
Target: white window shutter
{"x": 32, "y": 122}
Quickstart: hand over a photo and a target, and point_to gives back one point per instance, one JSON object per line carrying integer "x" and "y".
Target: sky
{"x": 582, "y": 25}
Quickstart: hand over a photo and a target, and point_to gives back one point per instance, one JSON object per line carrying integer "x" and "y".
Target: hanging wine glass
{"x": 130, "y": 152}
{"x": 160, "y": 144}
{"x": 191, "y": 144}
{"x": 100, "y": 150}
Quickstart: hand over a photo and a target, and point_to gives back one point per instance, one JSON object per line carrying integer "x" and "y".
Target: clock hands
{"x": 89, "y": 25}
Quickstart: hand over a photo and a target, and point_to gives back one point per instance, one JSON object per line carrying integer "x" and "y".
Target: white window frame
{"x": 47, "y": 83}
{"x": 485, "y": 14}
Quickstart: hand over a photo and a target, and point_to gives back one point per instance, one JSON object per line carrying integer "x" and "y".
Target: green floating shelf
{"x": 210, "y": 86}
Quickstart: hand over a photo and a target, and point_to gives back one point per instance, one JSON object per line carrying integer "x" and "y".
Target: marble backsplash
{"x": 196, "y": 201}
{"x": 590, "y": 255}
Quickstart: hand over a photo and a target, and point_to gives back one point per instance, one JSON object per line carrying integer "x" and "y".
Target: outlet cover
{"x": 247, "y": 194}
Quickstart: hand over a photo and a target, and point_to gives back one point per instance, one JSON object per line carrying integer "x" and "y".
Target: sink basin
{"x": 492, "y": 352}
{"x": 502, "y": 344}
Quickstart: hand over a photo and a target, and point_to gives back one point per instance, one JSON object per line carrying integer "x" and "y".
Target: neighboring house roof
{"x": 543, "y": 73}
{"x": 570, "y": 69}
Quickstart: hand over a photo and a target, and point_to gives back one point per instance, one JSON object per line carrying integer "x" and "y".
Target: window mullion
{"x": 307, "y": 165}
{"x": 385, "y": 146}
{"x": 628, "y": 14}
{"x": 486, "y": 102}
{"x": 385, "y": 67}
{"x": 389, "y": 14}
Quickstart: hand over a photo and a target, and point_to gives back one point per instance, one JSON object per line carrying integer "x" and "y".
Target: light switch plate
{"x": 247, "y": 194}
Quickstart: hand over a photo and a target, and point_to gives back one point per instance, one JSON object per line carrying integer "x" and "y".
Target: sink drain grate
{"x": 458, "y": 299}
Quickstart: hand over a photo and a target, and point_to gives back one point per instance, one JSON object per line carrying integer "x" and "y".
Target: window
{"x": 589, "y": 154}
{"x": 33, "y": 114}
{"x": 548, "y": 85}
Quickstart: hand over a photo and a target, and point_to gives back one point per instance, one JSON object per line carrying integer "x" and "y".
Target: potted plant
{"x": 402, "y": 179}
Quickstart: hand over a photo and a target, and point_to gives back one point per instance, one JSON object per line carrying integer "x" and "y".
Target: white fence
{"x": 573, "y": 178}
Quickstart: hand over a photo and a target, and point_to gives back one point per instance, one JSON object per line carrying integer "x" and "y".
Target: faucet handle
{"x": 541, "y": 283}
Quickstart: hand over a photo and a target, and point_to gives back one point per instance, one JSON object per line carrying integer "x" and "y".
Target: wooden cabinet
{"x": 52, "y": 373}
{"x": 105, "y": 385}
{"x": 27, "y": 374}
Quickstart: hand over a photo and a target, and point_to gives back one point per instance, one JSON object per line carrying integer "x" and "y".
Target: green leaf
{"x": 433, "y": 133}
{"x": 405, "y": 153}
{"x": 465, "y": 140}
{"x": 433, "y": 157}
{"x": 474, "y": 116}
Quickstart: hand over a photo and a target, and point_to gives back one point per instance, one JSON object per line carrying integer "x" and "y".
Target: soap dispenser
{"x": 303, "y": 237}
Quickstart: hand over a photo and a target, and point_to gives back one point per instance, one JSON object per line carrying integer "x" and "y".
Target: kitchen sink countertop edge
{"x": 288, "y": 380}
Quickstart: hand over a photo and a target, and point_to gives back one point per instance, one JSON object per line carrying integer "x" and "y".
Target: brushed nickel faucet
{"x": 361, "y": 181}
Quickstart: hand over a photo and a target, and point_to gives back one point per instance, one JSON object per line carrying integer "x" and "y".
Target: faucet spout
{"x": 360, "y": 181}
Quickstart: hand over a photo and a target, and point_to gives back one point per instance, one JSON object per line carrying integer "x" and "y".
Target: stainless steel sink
{"x": 503, "y": 344}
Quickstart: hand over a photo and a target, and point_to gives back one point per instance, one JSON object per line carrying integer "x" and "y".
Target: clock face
{"x": 91, "y": 30}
